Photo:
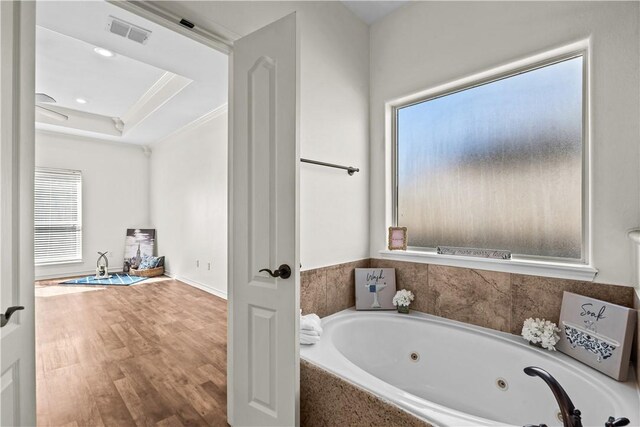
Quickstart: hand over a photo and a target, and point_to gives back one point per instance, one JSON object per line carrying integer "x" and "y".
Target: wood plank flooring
{"x": 152, "y": 354}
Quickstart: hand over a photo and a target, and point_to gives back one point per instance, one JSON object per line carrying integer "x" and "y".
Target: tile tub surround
{"x": 328, "y": 400}
{"x": 328, "y": 290}
{"x": 492, "y": 299}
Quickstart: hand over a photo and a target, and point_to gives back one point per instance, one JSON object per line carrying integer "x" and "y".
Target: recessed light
{"x": 103, "y": 52}
{"x": 81, "y": 100}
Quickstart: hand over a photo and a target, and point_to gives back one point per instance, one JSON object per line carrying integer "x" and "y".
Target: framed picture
{"x": 138, "y": 243}
{"x": 397, "y": 238}
{"x": 375, "y": 288}
{"x": 597, "y": 333}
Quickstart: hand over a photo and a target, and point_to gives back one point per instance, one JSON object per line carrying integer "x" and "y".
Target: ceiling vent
{"x": 130, "y": 31}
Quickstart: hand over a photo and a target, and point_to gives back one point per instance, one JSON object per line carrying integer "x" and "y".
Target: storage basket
{"x": 150, "y": 272}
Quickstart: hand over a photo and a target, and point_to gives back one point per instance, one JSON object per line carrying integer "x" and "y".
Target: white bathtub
{"x": 453, "y": 383}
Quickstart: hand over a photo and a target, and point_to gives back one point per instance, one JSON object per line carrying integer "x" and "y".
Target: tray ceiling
{"x": 145, "y": 91}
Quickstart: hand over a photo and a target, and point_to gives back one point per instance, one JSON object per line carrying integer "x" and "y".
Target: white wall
{"x": 115, "y": 188}
{"x": 334, "y": 97}
{"x": 189, "y": 203}
{"x": 334, "y": 109}
{"x": 425, "y": 44}
{"x": 180, "y": 190}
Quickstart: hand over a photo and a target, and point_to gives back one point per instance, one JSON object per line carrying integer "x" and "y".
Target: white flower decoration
{"x": 541, "y": 332}
{"x": 403, "y": 298}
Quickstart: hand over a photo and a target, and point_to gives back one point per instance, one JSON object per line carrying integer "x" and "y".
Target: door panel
{"x": 262, "y": 342}
{"x": 264, "y": 156}
{"x": 17, "y": 342}
{"x": 261, "y": 201}
{"x": 10, "y": 398}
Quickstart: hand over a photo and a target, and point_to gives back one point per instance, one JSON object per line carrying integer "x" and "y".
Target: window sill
{"x": 51, "y": 263}
{"x": 518, "y": 266}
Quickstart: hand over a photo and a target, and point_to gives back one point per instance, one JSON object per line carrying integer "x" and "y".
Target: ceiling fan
{"x": 43, "y": 98}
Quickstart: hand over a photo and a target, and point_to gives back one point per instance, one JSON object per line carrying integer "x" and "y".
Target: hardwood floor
{"x": 152, "y": 354}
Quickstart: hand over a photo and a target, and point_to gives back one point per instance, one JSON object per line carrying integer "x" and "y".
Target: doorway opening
{"x": 130, "y": 221}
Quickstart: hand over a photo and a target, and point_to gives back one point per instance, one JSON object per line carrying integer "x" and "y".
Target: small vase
{"x": 535, "y": 344}
{"x": 403, "y": 309}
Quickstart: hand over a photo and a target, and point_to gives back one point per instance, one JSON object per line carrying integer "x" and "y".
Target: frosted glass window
{"x": 496, "y": 166}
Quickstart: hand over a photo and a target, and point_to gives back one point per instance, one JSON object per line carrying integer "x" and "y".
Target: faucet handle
{"x": 620, "y": 422}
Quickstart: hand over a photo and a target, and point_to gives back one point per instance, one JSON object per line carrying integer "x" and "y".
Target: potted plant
{"x": 402, "y": 299}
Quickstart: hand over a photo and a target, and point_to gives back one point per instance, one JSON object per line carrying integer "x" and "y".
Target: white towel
{"x": 306, "y": 339}
{"x": 311, "y": 322}
{"x": 310, "y": 329}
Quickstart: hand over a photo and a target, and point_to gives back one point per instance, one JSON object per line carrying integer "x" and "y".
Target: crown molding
{"x": 93, "y": 140}
{"x": 80, "y": 120}
{"x": 147, "y": 149}
{"x": 161, "y": 92}
{"x": 216, "y": 112}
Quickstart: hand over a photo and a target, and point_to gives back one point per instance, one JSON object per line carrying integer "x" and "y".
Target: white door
{"x": 263, "y": 373}
{"x": 17, "y": 342}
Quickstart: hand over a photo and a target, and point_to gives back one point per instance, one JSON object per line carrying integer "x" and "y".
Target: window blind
{"x": 58, "y": 216}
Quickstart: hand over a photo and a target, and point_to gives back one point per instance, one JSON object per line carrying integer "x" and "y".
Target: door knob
{"x": 7, "y": 315}
{"x": 284, "y": 271}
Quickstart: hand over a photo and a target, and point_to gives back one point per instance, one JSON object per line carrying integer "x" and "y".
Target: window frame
{"x": 531, "y": 63}
{"x": 80, "y": 258}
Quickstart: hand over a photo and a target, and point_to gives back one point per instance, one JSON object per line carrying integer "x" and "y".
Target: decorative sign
{"x": 480, "y": 253}
{"x": 138, "y": 243}
{"x": 597, "y": 333}
{"x": 397, "y": 238}
{"x": 375, "y": 288}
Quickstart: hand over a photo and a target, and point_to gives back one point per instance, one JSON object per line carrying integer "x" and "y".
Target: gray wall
{"x": 334, "y": 108}
{"x": 115, "y": 195}
{"x": 426, "y": 44}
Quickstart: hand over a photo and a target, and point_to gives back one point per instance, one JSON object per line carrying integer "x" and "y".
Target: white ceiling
{"x": 67, "y": 68}
{"x": 371, "y": 11}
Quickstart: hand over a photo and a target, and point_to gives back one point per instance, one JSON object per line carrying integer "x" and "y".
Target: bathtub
{"x": 453, "y": 374}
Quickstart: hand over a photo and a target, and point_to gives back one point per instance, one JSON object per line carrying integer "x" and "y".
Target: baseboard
{"x": 198, "y": 285}
{"x": 68, "y": 274}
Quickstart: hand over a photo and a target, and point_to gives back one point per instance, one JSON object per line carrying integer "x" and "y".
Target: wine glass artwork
{"x": 375, "y": 288}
